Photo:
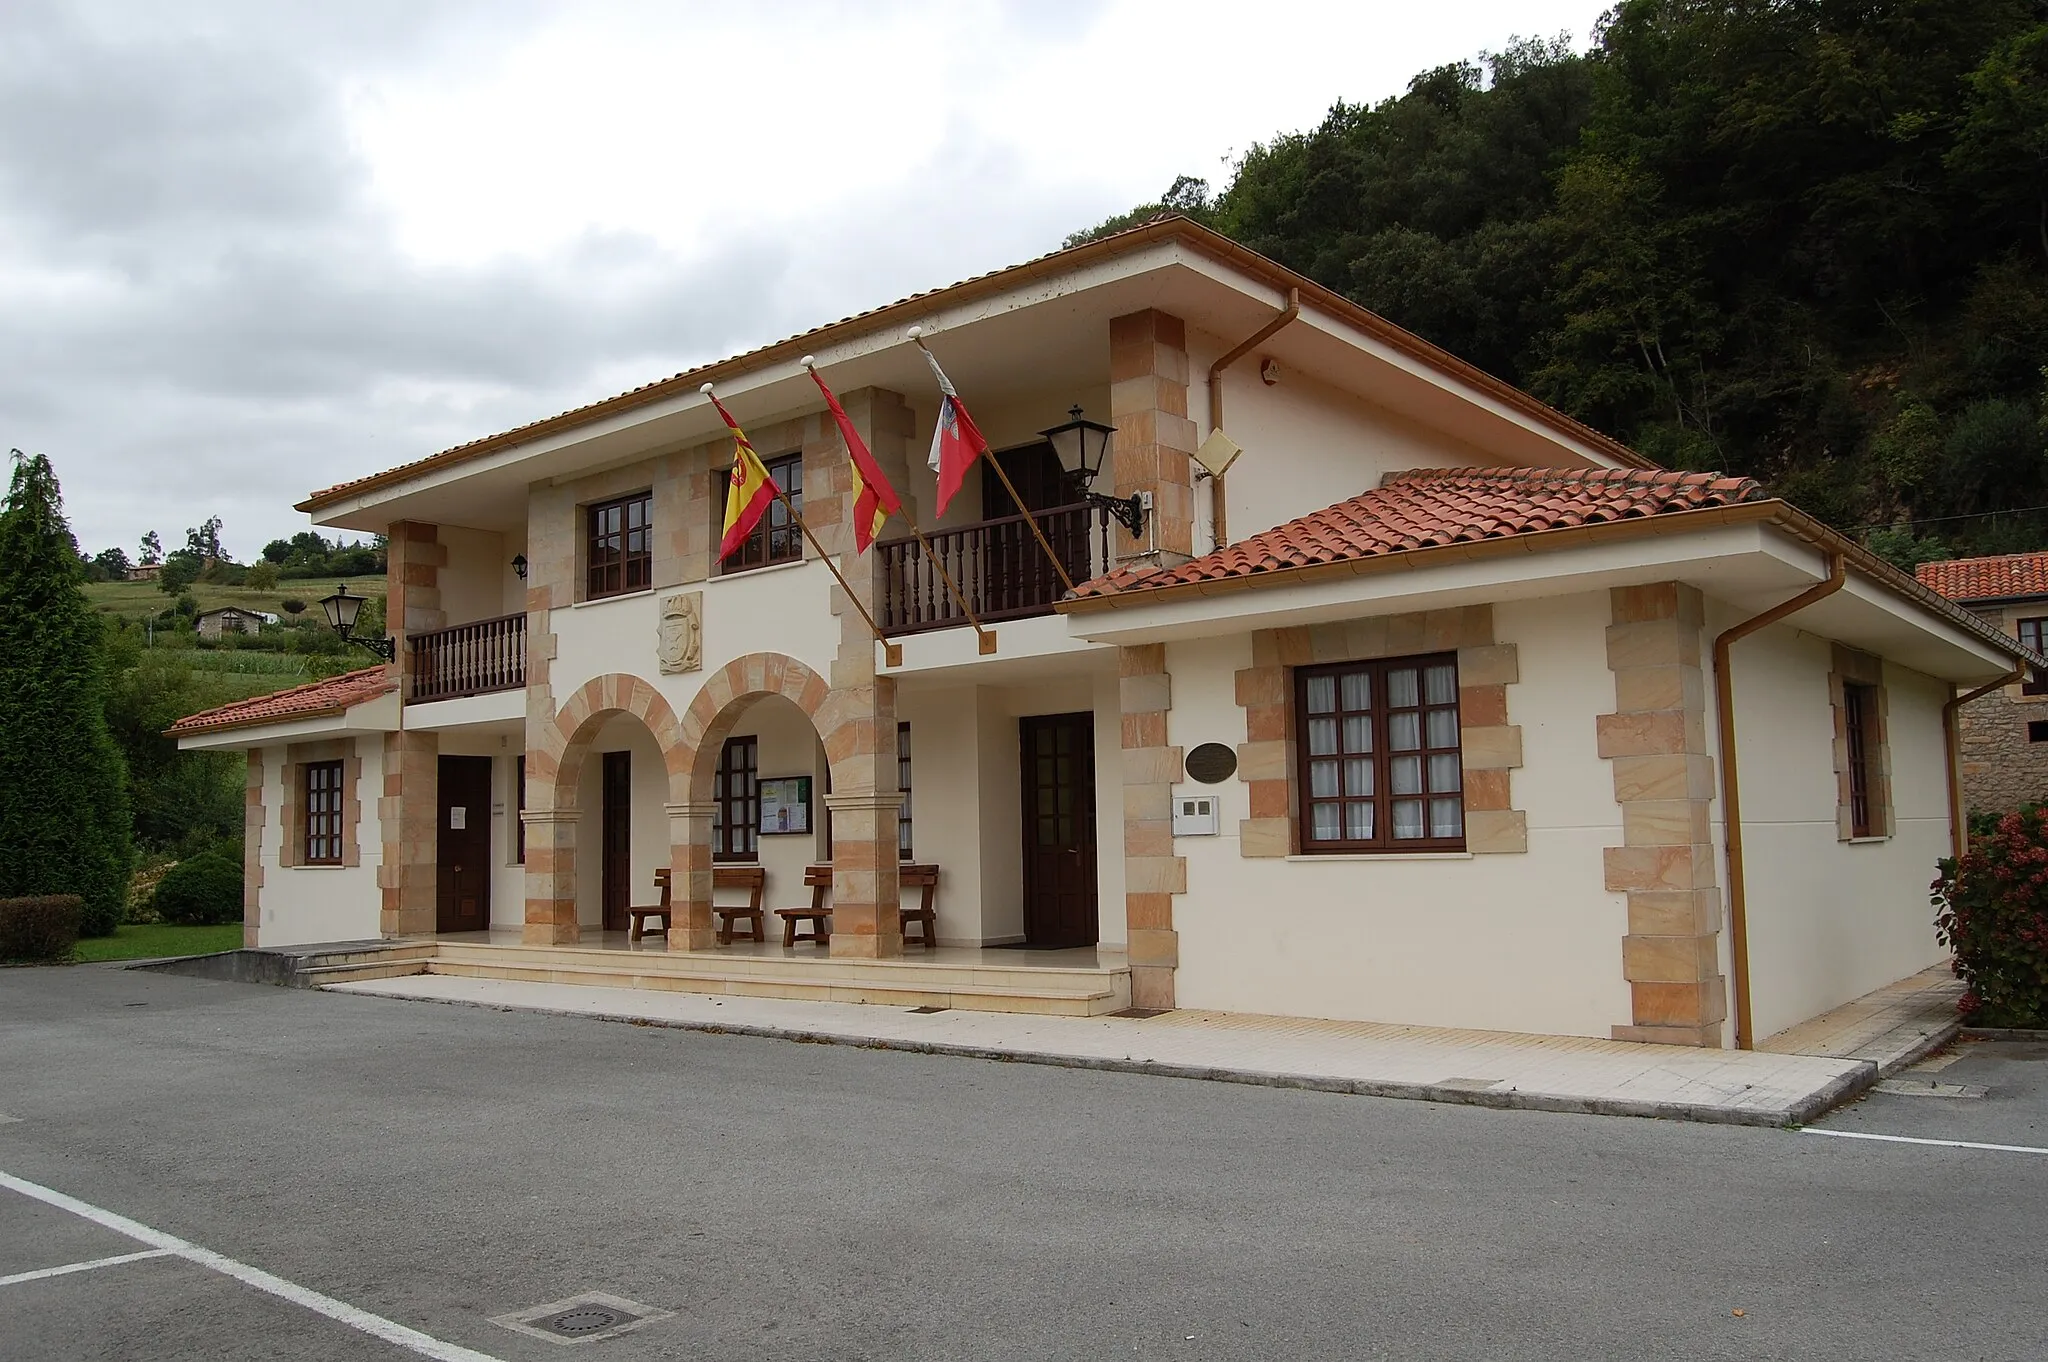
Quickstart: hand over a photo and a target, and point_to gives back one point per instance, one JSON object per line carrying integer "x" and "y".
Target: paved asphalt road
{"x": 437, "y": 1166}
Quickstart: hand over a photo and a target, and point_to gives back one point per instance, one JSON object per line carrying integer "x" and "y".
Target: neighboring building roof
{"x": 315, "y": 700}
{"x": 2008, "y": 576}
{"x": 1163, "y": 228}
{"x": 1431, "y": 507}
{"x": 263, "y": 615}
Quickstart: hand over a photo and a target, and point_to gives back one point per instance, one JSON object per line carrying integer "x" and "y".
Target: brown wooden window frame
{"x": 736, "y": 801}
{"x": 2033, "y": 631}
{"x": 1372, "y": 725}
{"x": 776, "y": 537}
{"x": 903, "y": 826}
{"x": 323, "y": 798}
{"x": 1859, "y": 721}
{"x": 619, "y": 546}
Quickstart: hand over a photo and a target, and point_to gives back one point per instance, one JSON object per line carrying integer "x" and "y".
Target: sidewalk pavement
{"x": 1481, "y": 1068}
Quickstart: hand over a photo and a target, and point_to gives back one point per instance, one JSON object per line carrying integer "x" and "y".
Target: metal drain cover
{"x": 581, "y": 1319}
{"x": 585, "y": 1320}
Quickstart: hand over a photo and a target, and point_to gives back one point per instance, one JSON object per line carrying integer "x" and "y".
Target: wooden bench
{"x": 819, "y": 880}
{"x": 636, "y": 918}
{"x": 749, "y": 877}
{"x": 926, "y": 915}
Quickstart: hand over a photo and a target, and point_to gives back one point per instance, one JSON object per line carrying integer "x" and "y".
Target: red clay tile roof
{"x": 1428, "y": 507}
{"x": 314, "y": 700}
{"x": 1987, "y": 579}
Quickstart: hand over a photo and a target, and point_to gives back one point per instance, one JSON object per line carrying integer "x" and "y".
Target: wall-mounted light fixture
{"x": 519, "y": 565}
{"x": 342, "y": 609}
{"x": 1083, "y": 447}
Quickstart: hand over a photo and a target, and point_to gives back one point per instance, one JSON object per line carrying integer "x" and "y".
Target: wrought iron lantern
{"x": 519, "y": 565}
{"x": 342, "y": 609}
{"x": 1083, "y": 448}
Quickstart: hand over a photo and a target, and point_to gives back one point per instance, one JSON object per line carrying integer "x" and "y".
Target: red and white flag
{"x": 956, "y": 444}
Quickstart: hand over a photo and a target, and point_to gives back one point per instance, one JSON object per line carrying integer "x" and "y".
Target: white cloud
{"x": 247, "y": 250}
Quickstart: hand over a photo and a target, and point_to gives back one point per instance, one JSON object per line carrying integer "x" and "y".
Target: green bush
{"x": 43, "y": 928}
{"x": 1992, "y": 911}
{"x": 204, "y": 891}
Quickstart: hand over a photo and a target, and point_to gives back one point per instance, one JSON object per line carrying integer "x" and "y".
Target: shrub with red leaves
{"x": 1992, "y": 911}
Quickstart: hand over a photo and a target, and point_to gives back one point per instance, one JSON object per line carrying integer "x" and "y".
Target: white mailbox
{"x": 1195, "y": 816}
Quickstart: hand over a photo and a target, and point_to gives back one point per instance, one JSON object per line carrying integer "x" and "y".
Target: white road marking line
{"x": 70, "y": 1268}
{"x": 426, "y": 1345}
{"x": 1911, "y": 1139}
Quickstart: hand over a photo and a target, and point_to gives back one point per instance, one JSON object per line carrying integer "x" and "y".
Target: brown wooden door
{"x": 1058, "y": 760}
{"x": 1039, "y": 479}
{"x": 618, "y": 839}
{"x": 462, "y": 847}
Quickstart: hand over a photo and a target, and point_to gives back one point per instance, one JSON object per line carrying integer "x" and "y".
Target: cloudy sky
{"x": 249, "y": 249}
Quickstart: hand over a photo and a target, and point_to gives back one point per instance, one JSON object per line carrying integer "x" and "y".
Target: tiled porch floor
{"x": 952, "y": 957}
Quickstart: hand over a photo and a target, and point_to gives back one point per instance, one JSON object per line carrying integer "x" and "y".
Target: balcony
{"x": 997, "y": 564}
{"x": 469, "y": 659}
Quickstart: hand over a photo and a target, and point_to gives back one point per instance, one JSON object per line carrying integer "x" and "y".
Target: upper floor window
{"x": 2033, "y": 632}
{"x": 776, "y": 538}
{"x": 621, "y": 549}
{"x": 323, "y": 813}
{"x": 1379, "y": 760}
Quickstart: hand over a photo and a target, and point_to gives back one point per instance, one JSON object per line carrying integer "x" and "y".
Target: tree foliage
{"x": 63, "y": 801}
{"x": 1804, "y": 240}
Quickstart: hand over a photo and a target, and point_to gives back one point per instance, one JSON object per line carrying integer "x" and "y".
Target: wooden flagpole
{"x": 892, "y": 653}
{"x": 985, "y": 639}
{"x": 916, "y": 333}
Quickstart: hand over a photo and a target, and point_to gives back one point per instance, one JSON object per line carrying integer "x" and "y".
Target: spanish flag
{"x": 874, "y": 500}
{"x": 749, "y": 493}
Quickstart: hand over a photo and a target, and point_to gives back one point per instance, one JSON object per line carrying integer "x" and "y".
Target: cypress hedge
{"x": 64, "y": 825}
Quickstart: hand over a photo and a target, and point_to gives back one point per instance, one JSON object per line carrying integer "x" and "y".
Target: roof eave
{"x": 1183, "y": 230}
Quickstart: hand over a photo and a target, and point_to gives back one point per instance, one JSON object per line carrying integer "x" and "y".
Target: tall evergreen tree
{"x": 63, "y": 790}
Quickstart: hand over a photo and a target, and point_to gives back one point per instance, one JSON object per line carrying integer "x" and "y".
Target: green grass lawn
{"x": 147, "y": 941}
{"x": 139, "y": 600}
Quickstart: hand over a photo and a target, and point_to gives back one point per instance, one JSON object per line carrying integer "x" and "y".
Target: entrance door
{"x": 1058, "y": 760}
{"x": 462, "y": 847}
{"x": 1036, "y": 471}
{"x": 618, "y": 838}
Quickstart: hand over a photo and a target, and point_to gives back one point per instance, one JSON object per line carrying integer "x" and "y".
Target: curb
{"x": 1926, "y": 1046}
{"x": 2018, "y": 1033}
{"x": 1837, "y": 1091}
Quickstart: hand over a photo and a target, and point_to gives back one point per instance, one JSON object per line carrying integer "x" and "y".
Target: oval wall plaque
{"x": 1212, "y": 763}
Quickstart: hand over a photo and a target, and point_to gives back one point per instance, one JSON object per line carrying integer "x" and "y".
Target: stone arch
{"x": 554, "y": 771}
{"x": 849, "y": 721}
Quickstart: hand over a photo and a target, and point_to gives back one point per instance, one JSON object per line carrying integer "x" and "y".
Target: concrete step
{"x": 910, "y": 971}
{"x": 316, "y": 975}
{"x": 1103, "y": 991}
{"x": 351, "y": 955}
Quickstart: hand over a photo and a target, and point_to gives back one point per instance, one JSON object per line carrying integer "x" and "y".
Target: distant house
{"x": 2004, "y": 734}
{"x": 232, "y": 620}
{"x": 144, "y": 572}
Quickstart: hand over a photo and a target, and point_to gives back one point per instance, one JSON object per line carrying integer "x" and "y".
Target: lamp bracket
{"x": 1128, "y": 512}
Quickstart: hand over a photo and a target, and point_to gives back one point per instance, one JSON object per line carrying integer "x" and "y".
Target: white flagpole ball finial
{"x": 809, "y": 361}
{"x": 914, "y": 332}
{"x": 706, "y": 389}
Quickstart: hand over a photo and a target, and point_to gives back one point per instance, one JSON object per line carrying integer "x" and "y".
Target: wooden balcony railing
{"x": 999, "y": 567}
{"x": 469, "y": 659}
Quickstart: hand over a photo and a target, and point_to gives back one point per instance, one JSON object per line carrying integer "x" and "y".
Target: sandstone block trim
{"x": 253, "y": 817}
{"x": 1491, "y": 747}
{"x": 1152, "y": 873}
{"x": 1656, "y": 744}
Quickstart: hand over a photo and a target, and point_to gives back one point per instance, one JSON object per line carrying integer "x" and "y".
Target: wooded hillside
{"x": 1805, "y": 240}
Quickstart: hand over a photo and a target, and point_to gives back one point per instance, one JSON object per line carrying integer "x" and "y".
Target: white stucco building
{"x": 1434, "y": 708}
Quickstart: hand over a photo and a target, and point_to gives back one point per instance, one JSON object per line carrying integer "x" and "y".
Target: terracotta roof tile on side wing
{"x": 1431, "y": 507}
{"x": 314, "y": 700}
